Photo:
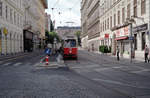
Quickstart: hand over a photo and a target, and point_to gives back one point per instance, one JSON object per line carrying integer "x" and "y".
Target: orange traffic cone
{"x": 46, "y": 60}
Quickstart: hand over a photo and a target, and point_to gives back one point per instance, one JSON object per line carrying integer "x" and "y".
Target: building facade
{"x": 115, "y": 17}
{"x": 17, "y": 17}
{"x": 115, "y": 30}
{"x": 90, "y": 23}
{"x": 34, "y": 24}
{"x": 67, "y": 31}
{"x": 47, "y": 22}
{"x": 11, "y": 26}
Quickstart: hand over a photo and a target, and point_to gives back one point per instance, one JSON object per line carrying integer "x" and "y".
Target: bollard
{"x": 46, "y": 60}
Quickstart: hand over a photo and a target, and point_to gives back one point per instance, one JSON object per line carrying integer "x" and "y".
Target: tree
{"x": 78, "y": 34}
{"x": 50, "y": 37}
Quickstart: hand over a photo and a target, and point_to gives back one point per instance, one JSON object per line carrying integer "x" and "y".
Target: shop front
{"x": 141, "y": 38}
{"x": 122, "y": 40}
{"x": 28, "y": 41}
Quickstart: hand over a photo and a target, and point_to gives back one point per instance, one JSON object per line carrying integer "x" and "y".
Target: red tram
{"x": 70, "y": 48}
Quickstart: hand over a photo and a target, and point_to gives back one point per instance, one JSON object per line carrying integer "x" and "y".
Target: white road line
{"x": 76, "y": 67}
{"x": 118, "y": 67}
{"x": 101, "y": 69}
{"x": 140, "y": 71}
{"x": 6, "y": 64}
{"x": 17, "y": 64}
{"x": 37, "y": 64}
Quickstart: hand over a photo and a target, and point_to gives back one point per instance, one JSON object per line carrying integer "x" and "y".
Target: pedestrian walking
{"x": 118, "y": 53}
{"x": 146, "y": 52}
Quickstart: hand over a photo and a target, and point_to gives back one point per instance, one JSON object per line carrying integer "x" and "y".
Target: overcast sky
{"x": 65, "y": 11}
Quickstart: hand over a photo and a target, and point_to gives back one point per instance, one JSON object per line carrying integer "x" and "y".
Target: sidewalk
{"x": 113, "y": 57}
{"x": 126, "y": 60}
{"x": 3, "y": 57}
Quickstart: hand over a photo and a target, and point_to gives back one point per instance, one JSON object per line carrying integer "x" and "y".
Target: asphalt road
{"x": 92, "y": 76}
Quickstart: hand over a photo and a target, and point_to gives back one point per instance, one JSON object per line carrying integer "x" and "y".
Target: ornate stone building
{"x": 11, "y": 26}
{"x": 17, "y": 16}
{"x": 34, "y": 24}
{"x": 90, "y": 23}
{"x": 115, "y": 30}
{"x": 112, "y": 24}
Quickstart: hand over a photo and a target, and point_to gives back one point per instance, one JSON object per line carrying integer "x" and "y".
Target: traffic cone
{"x": 46, "y": 60}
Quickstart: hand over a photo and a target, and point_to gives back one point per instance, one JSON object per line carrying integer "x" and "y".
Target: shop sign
{"x": 5, "y": 31}
{"x": 140, "y": 28}
{"x": 123, "y": 32}
{"x": 106, "y": 36}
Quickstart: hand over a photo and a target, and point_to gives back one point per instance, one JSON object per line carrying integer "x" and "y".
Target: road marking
{"x": 76, "y": 67}
{"x": 119, "y": 83}
{"x": 140, "y": 71}
{"x": 37, "y": 64}
{"x": 101, "y": 69}
{"x": 6, "y": 64}
{"x": 17, "y": 64}
{"x": 118, "y": 67}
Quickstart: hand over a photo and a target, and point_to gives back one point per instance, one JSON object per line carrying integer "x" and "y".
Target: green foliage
{"x": 50, "y": 37}
{"x": 78, "y": 34}
{"x": 105, "y": 49}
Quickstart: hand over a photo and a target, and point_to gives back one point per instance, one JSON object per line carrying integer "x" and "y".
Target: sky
{"x": 65, "y": 11}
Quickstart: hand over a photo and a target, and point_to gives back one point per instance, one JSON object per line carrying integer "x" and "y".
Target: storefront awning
{"x": 121, "y": 38}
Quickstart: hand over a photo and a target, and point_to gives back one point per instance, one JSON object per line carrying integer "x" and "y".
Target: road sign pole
{"x": 131, "y": 43}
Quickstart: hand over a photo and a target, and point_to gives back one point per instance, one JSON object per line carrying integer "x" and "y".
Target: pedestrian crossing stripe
{"x": 17, "y": 64}
{"x": 6, "y": 64}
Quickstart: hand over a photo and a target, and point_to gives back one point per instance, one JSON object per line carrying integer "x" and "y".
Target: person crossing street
{"x": 146, "y": 54}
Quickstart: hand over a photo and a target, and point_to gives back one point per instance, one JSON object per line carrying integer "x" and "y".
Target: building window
{"x": 6, "y": 12}
{"x": 14, "y": 17}
{"x": 135, "y": 41}
{"x": 11, "y": 15}
{"x": 143, "y": 40}
{"x": 118, "y": 17}
{"x": 110, "y": 21}
{"x": 1, "y": 8}
{"x": 135, "y": 7}
{"x": 123, "y": 15}
{"x": 18, "y": 19}
{"x": 114, "y": 20}
{"x": 105, "y": 25}
{"x": 143, "y": 7}
{"x": 128, "y": 11}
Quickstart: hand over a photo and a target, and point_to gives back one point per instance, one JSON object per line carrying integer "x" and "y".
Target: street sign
{"x": 48, "y": 51}
{"x": 131, "y": 38}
